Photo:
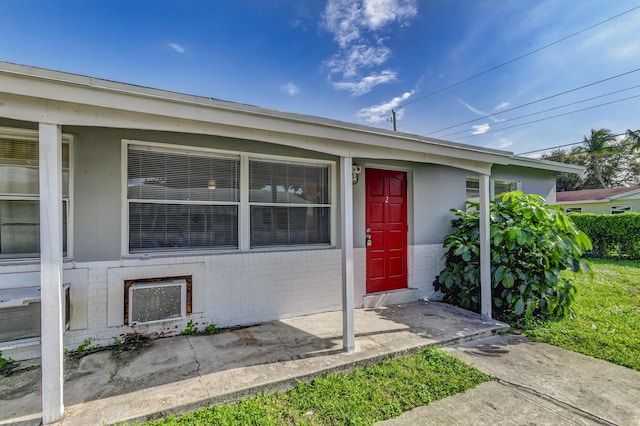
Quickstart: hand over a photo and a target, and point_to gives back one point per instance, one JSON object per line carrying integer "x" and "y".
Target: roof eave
{"x": 305, "y": 124}
{"x": 546, "y": 165}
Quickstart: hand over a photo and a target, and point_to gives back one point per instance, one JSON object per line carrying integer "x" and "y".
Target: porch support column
{"x": 50, "y": 142}
{"x": 346, "y": 239}
{"x": 485, "y": 248}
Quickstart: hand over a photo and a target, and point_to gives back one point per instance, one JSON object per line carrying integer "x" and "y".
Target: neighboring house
{"x": 601, "y": 201}
{"x": 129, "y": 209}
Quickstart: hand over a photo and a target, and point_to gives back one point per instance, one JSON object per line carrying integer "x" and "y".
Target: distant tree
{"x": 564, "y": 181}
{"x": 633, "y": 137}
{"x": 594, "y": 147}
{"x": 618, "y": 164}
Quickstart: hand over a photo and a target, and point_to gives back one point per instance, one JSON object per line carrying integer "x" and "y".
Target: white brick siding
{"x": 231, "y": 289}
{"x": 228, "y": 289}
{"x": 425, "y": 263}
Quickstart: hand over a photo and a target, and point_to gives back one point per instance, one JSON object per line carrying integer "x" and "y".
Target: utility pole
{"x": 393, "y": 120}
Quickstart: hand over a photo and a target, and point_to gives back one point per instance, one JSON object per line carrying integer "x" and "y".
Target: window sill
{"x": 149, "y": 256}
{"x": 67, "y": 262}
{"x": 19, "y": 344}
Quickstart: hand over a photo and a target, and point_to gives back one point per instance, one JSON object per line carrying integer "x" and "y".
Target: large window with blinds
{"x": 289, "y": 203}
{"x": 19, "y": 193}
{"x": 190, "y": 199}
{"x": 181, "y": 200}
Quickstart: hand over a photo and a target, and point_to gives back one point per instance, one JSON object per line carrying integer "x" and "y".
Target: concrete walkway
{"x": 537, "y": 384}
{"x": 180, "y": 374}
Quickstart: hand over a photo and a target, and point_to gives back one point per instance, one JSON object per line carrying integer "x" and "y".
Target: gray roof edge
{"x": 166, "y": 95}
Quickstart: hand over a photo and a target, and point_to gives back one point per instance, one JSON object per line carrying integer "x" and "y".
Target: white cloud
{"x": 381, "y": 12}
{"x": 349, "y": 61}
{"x": 365, "y": 84}
{"x": 472, "y": 108}
{"x": 355, "y": 26}
{"x": 382, "y": 112}
{"x": 504, "y": 143}
{"x": 177, "y": 47}
{"x": 480, "y": 129}
{"x": 290, "y": 88}
{"x": 503, "y": 105}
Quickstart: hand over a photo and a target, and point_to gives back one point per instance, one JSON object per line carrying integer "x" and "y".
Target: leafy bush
{"x": 5, "y": 361}
{"x": 612, "y": 235}
{"x": 531, "y": 246}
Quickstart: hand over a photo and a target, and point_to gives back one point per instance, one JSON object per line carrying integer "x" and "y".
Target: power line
{"x": 518, "y": 58}
{"x": 577, "y": 143}
{"x": 549, "y": 109}
{"x": 554, "y": 116}
{"x": 537, "y": 101}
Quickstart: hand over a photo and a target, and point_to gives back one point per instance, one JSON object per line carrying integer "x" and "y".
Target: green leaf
{"x": 508, "y": 280}
{"x": 519, "y": 307}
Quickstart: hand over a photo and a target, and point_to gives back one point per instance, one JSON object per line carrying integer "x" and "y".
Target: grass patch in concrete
{"x": 362, "y": 397}
{"x": 606, "y": 323}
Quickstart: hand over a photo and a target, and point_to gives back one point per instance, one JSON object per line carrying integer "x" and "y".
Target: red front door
{"x": 386, "y": 230}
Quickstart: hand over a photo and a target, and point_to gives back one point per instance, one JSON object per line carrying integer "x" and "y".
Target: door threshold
{"x": 390, "y": 297}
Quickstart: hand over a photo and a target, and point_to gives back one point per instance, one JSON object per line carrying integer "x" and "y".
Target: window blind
{"x": 181, "y": 200}
{"x": 290, "y": 203}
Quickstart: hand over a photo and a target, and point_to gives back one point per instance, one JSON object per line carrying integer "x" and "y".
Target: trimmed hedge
{"x": 612, "y": 235}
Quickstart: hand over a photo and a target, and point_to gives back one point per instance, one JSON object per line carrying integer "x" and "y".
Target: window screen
{"x": 181, "y": 200}
{"x": 620, "y": 209}
{"x": 20, "y": 228}
{"x": 19, "y": 197}
{"x": 502, "y": 186}
{"x": 290, "y": 203}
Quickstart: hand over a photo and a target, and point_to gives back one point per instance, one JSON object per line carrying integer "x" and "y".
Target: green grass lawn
{"x": 361, "y": 397}
{"x": 606, "y": 324}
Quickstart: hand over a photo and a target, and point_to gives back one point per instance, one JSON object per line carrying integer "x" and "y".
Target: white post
{"x": 485, "y": 248}
{"x": 346, "y": 216}
{"x": 50, "y": 142}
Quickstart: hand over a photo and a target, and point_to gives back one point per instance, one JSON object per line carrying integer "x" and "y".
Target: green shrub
{"x": 531, "y": 246}
{"x": 190, "y": 329}
{"x": 612, "y": 235}
{"x": 5, "y": 361}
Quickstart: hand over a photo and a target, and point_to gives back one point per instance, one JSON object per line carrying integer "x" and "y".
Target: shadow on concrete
{"x": 180, "y": 373}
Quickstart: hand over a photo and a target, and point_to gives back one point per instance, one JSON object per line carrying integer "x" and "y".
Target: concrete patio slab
{"x": 537, "y": 384}
{"x": 180, "y": 374}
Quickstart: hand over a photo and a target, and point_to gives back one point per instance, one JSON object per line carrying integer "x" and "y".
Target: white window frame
{"x": 622, "y": 208}
{"x": 33, "y": 136}
{"x": 573, "y": 210}
{"x": 308, "y": 205}
{"x": 492, "y": 186}
{"x": 244, "y": 219}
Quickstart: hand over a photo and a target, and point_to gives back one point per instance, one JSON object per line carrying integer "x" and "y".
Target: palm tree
{"x": 634, "y": 138}
{"x": 594, "y": 147}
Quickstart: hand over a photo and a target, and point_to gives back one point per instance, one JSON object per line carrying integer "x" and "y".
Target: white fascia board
{"x": 546, "y": 165}
{"x": 604, "y": 200}
{"x": 631, "y": 195}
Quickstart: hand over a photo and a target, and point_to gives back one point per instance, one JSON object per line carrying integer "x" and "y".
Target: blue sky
{"x": 355, "y": 61}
